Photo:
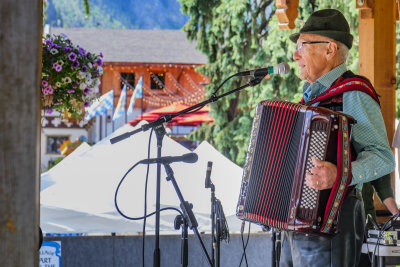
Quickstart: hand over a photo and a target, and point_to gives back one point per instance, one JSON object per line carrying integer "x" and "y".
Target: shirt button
{"x": 360, "y": 176}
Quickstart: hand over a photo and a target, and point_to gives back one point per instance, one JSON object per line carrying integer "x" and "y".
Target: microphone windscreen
{"x": 190, "y": 157}
{"x": 282, "y": 68}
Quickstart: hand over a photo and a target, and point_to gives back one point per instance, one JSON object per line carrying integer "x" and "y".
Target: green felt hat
{"x": 327, "y": 22}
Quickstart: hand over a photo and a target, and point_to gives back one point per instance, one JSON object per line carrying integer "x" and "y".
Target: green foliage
{"x": 54, "y": 162}
{"x": 238, "y": 35}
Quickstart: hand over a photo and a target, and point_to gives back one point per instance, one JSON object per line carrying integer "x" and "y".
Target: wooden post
{"x": 20, "y": 53}
{"x": 377, "y": 56}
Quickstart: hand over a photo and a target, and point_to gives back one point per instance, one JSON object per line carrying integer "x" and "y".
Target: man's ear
{"x": 332, "y": 50}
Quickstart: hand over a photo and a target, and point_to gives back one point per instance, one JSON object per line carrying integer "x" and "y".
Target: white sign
{"x": 50, "y": 254}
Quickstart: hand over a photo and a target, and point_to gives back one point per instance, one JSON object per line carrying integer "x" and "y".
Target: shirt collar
{"x": 323, "y": 82}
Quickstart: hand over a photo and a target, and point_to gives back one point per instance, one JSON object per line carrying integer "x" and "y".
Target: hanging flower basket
{"x": 70, "y": 77}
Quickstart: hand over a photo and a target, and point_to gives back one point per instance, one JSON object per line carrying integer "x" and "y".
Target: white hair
{"x": 343, "y": 51}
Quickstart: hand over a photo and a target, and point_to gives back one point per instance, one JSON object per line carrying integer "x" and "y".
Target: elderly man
{"x": 322, "y": 47}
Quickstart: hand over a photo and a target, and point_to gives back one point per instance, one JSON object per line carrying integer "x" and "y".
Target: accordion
{"x": 284, "y": 138}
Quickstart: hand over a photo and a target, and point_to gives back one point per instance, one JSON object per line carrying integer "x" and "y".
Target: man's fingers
{"x": 317, "y": 163}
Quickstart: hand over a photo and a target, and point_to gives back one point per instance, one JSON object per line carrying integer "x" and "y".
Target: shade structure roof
{"x": 192, "y": 119}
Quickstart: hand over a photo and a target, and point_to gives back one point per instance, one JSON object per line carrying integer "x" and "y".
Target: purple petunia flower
{"x": 75, "y": 64}
{"x": 71, "y": 91}
{"x": 58, "y": 68}
{"x": 45, "y": 83}
{"x": 86, "y": 104}
{"x": 47, "y": 90}
{"x": 101, "y": 54}
{"x": 67, "y": 49}
{"x": 81, "y": 51}
{"x": 50, "y": 44}
{"x": 49, "y": 111}
{"x": 86, "y": 91}
{"x": 84, "y": 68}
{"x": 74, "y": 86}
{"x": 72, "y": 56}
{"x": 99, "y": 62}
{"x": 58, "y": 103}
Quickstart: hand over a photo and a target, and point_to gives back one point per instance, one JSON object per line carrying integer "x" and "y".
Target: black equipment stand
{"x": 215, "y": 224}
{"x": 157, "y": 125}
{"x": 276, "y": 247}
{"x": 187, "y": 211}
{"x": 160, "y": 133}
{"x": 180, "y": 222}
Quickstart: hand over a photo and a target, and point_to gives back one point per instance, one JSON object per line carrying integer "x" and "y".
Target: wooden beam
{"x": 286, "y": 13}
{"x": 20, "y": 53}
{"x": 377, "y": 55}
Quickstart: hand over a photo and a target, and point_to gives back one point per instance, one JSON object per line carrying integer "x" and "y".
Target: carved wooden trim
{"x": 366, "y": 8}
{"x": 286, "y": 13}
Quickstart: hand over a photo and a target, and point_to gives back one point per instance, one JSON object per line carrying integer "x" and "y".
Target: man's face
{"x": 312, "y": 58}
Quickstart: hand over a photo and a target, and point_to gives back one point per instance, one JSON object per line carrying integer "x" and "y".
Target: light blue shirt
{"x": 369, "y": 138}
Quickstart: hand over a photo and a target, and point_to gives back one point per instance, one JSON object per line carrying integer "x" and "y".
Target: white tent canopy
{"x": 78, "y": 194}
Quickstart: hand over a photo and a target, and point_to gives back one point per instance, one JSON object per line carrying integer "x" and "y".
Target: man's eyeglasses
{"x": 300, "y": 45}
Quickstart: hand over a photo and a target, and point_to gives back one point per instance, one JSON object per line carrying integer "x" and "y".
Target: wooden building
{"x": 164, "y": 58}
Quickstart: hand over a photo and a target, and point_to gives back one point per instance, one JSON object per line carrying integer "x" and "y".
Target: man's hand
{"x": 322, "y": 175}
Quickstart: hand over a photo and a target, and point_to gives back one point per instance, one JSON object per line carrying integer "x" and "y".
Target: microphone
{"x": 208, "y": 174}
{"x": 281, "y": 68}
{"x": 188, "y": 158}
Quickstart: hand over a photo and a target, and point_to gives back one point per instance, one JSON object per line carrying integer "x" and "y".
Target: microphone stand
{"x": 276, "y": 247}
{"x": 187, "y": 211}
{"x": 157, "y": 125}
{"x": 160, "y": 133}
{"x": 214, "y": 238}
{"x": 180, "y": 222}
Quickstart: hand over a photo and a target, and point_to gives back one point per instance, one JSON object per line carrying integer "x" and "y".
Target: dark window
{"x": 128, "y": 78}
{"x": 157, "y": 81}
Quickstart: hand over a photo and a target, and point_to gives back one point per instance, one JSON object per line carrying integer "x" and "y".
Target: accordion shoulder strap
{"x": 346, "y": 85}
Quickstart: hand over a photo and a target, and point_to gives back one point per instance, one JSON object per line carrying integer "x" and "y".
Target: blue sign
{"x": 50, "y": 254}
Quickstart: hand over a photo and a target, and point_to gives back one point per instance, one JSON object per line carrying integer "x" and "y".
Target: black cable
{"x": 136, "y": 218}
{"x": 244, "y": 245}
{"x": 219, "y": 87}
{"x": 366, "y": 238}
{"x": 145, "y": 216}
{"x": 385, "y": 226}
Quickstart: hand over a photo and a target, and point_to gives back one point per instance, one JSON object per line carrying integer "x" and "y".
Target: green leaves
{"x": 243, "y": 34}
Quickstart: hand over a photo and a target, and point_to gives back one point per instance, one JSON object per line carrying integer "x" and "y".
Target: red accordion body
{"x": 284, "y": 138}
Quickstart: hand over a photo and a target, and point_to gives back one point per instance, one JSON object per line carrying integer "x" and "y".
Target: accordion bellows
{"x": 284, "y": 138}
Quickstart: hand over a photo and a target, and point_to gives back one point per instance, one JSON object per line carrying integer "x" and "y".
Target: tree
{"x": 237, "y": 35}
